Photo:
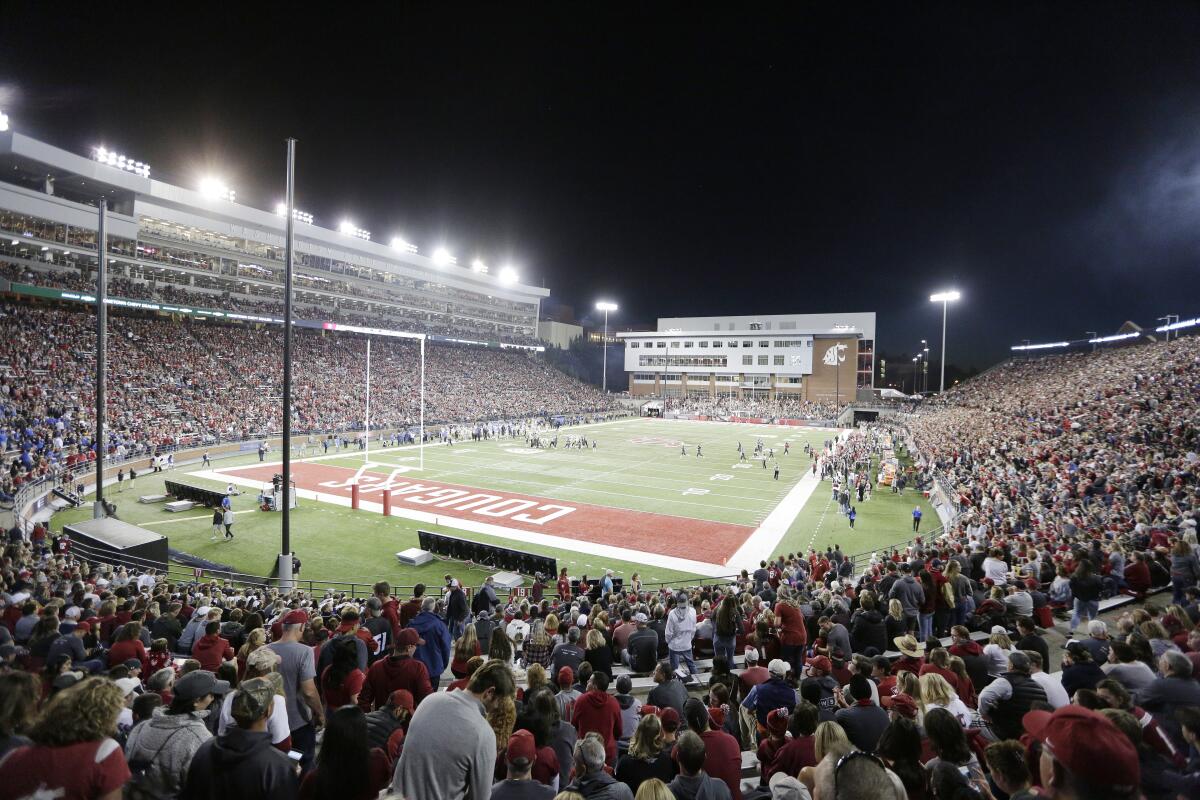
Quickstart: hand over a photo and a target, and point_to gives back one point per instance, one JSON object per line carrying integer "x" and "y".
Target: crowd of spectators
{"x": 779, "y": 408}
{"x": 194, "y": 382}
{"x": 833, "y": 674}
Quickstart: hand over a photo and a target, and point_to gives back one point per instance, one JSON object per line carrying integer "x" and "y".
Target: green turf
{"x": 621, "y": 474}
{"x": 336, "y": 543}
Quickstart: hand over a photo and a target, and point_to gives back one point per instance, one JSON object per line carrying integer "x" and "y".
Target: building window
{"x": 634, "y": 345}
{"x": 779, "y": 361}
{"x": 746, "y": 343}
{"x": 660, "y": 345}
{"x": 762, "y": 360}
{"x": 716, "y": 344}
{"x": 703, "y": 343}
{"x": 747, "y": 361}
{"x": 647, "y": 344}
{"x": 674, "y": 344}
{"x": 763, "y": 343}
{"x": 687, "y": 345}
{"x": 732, "y": 343}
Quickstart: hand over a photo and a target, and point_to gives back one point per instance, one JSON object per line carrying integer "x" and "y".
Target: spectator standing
{"x": 241, "y": 764}
{"x": 433, "y": 649}
{"x": 520, "y": 755}
{"x": 681, "y": 630}
{"x": 692, "y": 782}
{"x": 450, "y": 751}
{"x": 305, "y": 712}
{"x": 722, "y": 752}
{"x": 597, "y": 711}
{"x": 398, "y": 671}
{"x": 164, "y": 745}
{"x": 347, "y": 766}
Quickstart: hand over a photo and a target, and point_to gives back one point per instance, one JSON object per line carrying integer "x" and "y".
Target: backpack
{"x": 144, "y": 783}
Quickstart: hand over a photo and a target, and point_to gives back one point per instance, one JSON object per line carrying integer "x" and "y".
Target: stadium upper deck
{"x": 167, "y": 241}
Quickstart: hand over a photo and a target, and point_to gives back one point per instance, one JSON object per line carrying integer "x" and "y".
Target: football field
{"x": 668, "y": 499}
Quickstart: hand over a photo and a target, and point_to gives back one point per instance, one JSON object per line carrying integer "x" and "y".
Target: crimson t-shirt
{"x": 76, "y": 772}
{"x": 338, "y": 696}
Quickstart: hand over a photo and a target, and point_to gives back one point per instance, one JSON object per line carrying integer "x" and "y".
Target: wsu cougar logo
{"x": 835, "y": 355}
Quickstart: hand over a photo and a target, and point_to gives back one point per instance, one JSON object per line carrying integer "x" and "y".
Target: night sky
{"x": 1044, "y": 159}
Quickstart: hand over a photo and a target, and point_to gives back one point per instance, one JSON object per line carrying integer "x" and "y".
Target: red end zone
{"x": 680, "y": 537}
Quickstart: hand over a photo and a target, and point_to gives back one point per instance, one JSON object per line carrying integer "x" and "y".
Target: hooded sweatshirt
{"x": 599, "y": 712}
{"x": 435, "y": 653}
{"x": 630, "y": 715}
{"x": 389, "y": 674}
{"x": 681, "y": 628}
{"x": 168, "y": 742}
{"x": 241, "y": 765}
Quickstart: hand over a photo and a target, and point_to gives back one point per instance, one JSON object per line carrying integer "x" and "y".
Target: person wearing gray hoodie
{"x": 910, "y": 594}
{"x": 681, "y": 630}
{"x": 160, "y": 750}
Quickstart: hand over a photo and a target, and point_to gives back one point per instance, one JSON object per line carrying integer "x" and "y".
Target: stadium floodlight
{"x": 105, "y": 156}
{"x": 945, "y": 298}
{"x": 399, "y": 243}
{"x": 1044, "y": 346}
{"x": 1116, "y": 337}
{"x": 509, "y": 276}
{"x": 350, "y": 229}
{"x": 478, "y": 266}
{"x": 442, "y": 257}
{"x": 605, "y": 306}
{"x": 3, "y": 121}
{"x": 215, "y": 189}
{"x": 1174, "y": 326}
{"x": 297, "y": 214}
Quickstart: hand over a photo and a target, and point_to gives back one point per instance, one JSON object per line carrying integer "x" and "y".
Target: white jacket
{"x": 681, "y": 628}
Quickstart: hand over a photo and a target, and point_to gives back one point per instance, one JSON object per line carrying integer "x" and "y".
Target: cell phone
{"x": 295, "y": 755}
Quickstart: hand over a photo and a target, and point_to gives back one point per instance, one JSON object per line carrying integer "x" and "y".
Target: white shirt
{"x": 517, "y": 626}
{"x": 1056, "y": 695}
{"x": 277, "y": 725}
{"x": 958, "y": 708}
{"x": 995, "y": 569}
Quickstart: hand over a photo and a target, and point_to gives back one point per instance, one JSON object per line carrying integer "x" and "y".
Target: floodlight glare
{"x": 508, "y": 276}
{"x": 105, "y": 156}
{"x": 945, "y": 297}
{"x": 478, "y": 266}
{"x": 398, "y": 243}
{"x": 3, "y": 121}
{"x": 215, "y": 189}
{"x": 442, "y": 257}
{"x": 297, "y": 214}
{"x": 604, "y": 305}
{"x": 350, "y": 229}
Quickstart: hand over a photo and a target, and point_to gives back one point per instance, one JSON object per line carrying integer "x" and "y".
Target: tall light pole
{"x": 925, "y": 367}
{"x": 945, "y": 298}
{"x": 606, "y": 307}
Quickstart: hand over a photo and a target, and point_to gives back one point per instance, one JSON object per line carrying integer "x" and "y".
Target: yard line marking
{"x": 187, "y": 519}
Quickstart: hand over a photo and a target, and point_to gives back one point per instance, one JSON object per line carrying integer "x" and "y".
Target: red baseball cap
{"x": 902, "y": 704}
{"x": 86, "y": 627}
{"x": 402, "y": 698}
{"x": 408, "y": 637}
{"x": 647, "y": 709}
{"x": 670, "y": 719}
{"x": 777, "y": 721}
{"x": 521, "y": 746}
{"x": 295, "y": 617}
{"x": 1087, "y": 744}
{"x": 822, "y": 663}
{"x": 566, "y": 676}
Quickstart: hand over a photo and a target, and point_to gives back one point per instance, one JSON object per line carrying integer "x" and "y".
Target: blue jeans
{"x": 725, "y": 646}
{"x": 925, "y": 627}
{"x": 1178, "y": 587}
{"x": 686, "y": 657}
{"x": 1084, "y": 608}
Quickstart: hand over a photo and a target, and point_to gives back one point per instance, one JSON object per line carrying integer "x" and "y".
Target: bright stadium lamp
{"x": 215, "y": 189}
{"x": 945, "y": 298}
{"x": 401, "y": 244}
{"x": 606, "y": 307}
{"x": 478, "y": 266}
{"x": 508, "y": 276}
{"x": 350, "y": 229}
{"x": 442, "y": 257}
{"x": 3, "y": 121}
